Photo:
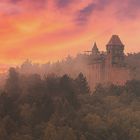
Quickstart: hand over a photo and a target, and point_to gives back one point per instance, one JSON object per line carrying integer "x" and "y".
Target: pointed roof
{"x": 115, "y": 40}
{"x": 95, "y": 48}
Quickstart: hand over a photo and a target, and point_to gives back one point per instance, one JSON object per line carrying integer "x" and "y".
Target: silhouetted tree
{"x": 12, "y": 84}
{"x": 82, "y": 84}
{"x": 133, "y": 87}
{"x": 68, "y": 89}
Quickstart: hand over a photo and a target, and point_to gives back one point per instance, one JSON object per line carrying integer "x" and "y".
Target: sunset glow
{"x": 49, "y": 30}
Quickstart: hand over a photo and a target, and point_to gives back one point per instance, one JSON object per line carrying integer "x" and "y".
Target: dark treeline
{"x": 61, "y": 108}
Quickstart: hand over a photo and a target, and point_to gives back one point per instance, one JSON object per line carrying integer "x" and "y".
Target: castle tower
{"x": 115, "y": 50}
{"x": 95, "y": 67}
{"x": 115, "y": 70}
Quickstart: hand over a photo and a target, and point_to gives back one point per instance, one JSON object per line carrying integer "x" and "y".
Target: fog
{"x": 70, "y": 65}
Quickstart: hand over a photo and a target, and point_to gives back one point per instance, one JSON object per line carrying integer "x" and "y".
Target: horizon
{"x": 5, "y": 67}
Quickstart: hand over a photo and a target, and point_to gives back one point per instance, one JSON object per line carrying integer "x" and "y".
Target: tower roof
{"x": 115, "y": 40}
{"x": 95, "y": 46}
{"x": 95, "y": 49}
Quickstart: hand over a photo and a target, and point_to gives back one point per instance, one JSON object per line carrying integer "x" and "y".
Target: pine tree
{"x": 82, "y": 84}
{"x": 12, "y": 84}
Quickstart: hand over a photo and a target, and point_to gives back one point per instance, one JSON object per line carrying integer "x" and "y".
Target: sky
{"x": 49, "y": 30}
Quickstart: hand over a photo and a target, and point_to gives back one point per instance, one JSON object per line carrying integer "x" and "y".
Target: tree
{"x": 133, "y": 87}
{"x": 66, "y": 83}
{"x": 50, "y": 132}
{"x": 3, "y": 132}
{"x": 26, "y": 113}
{"x": 12, "y": 84}
{"x": 82, "y": 137}
{"x": 70, "y": 135}
{"x": 18, "y": 136}
{"x": 68, "y": 89}
{"x": 52, "y": 84}
{"x": 82, "y": 84}
{"x": 115, "y": 89}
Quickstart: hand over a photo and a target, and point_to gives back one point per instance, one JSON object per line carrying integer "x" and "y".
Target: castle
{"x": 108, "y": 67}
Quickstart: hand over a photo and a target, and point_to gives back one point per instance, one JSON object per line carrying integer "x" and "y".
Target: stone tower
{"x": 115, "y": 50}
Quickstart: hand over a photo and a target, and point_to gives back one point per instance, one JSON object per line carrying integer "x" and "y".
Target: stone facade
{"x": 108, "y": 67}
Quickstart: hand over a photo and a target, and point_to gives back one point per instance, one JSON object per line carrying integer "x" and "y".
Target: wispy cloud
{"x": 128, "y": 9}
{"x": 63, "y": 3}
{"x": 83, "y": 14}
{"x": 33, "y": 3}
{"x": 9, "y": 9}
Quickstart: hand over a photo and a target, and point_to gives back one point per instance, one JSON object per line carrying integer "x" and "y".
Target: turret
{"x": 115, "y": 50}
{"x": 95, "y": 50}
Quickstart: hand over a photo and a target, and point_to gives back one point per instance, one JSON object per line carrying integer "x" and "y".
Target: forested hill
{"x": 61, "y": 108}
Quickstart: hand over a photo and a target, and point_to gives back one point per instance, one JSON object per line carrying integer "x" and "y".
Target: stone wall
{"x": 107, "y": 74}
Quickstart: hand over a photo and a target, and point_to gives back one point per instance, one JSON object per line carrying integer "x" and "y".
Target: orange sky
{"x": 48, "y": 30}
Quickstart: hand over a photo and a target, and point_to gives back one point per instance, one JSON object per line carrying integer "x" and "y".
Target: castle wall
{"x": 119, "y": 75}
{"x": 96, "y": 74}
{"x": 106, "y": 74}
